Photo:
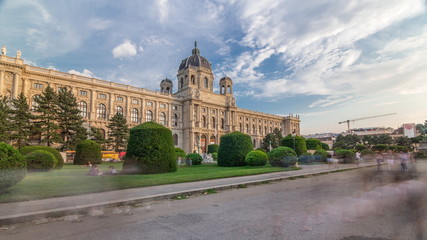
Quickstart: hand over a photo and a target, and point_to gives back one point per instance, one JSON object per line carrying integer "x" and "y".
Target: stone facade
{"x": 196, "y": 115}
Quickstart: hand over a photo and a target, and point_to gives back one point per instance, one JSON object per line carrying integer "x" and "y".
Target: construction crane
{"x": 363, "y": 118}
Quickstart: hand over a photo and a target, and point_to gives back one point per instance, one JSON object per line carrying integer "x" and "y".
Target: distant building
{"x": 196, "y": 115}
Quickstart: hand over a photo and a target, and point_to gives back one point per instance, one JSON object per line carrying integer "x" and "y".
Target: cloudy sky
{"x": 326, "y": 60}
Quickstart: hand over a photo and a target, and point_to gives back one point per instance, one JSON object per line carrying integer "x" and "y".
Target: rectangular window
{"x": 119, "y": 99}
{"x": 102, "y": 96}
{"x": 162, "y": 105}
{"x": 175, "y": 107}
{"x": 83, "y": 93}
{"x": 38, "y": 86}
{"x": 135, "y": 101}
{"x": 62, "y": 89}
{"x": 149, "y": 104}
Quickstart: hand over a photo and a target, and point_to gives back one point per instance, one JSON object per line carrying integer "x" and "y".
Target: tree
{"x": 69, "y": 120}
{"x": 269, "y": 142}
{"x": 346, "y": 141}
{"x": 313, "y": 144}
{"x": 383, "y": 139}
{"x": 20, "y": 120}
{"x": 118, "y": 132}
{"x": 296, "y": 143}
{"x": 403, "y": 141}
{"x": 47, "y": 110}
{"x": 4, "y": 119}
{"x": 96, "y": 136}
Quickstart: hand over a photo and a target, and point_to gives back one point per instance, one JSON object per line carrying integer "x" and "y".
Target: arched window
{"x": 204, "y": 121}
{"x": 241, "y": 127}
{"x": 134, "y": 115}
{"x": 229, "y": 89}
{"x": 119, "y": 110}
{"x": 34, "y": 103}
{"x": 101, "y": 111}
{"x": 148, "y": 116}
{"x": 175, "y": 139}
{"x": 260, "y": 130}
{"x": 213, "y": 123}
{"x": 181, "y": 83}
{"x": 83, "y": 109}
{"x": 254, "y": 142}
{"x": 247, "y": 128}
{"x": 162, "y": 118}
{"x": 212, "y": 140}
{"x": 222, "y": 123}
{"x": 265, "y": 130}
{"x": 175, "y": 120}
{"x": 253, "y": 129}
{"x": 271, "y": 130}
{"x": 206, "y": 82}
{"x": 102, "y": 132}
{"x": 193, "y": 79}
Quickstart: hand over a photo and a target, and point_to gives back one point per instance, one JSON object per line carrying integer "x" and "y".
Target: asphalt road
{"x": 350, "y": 205}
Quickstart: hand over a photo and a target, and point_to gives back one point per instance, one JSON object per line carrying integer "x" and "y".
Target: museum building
{"x": 196, "y": 115}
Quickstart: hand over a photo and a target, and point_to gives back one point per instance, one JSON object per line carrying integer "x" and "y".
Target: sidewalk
{"x": 81, "y": 204}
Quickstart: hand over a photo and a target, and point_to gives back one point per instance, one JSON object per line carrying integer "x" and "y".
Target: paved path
{"x": 55, "y": 207}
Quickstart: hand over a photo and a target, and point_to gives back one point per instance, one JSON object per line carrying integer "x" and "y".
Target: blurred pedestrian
{"x": 379, "y": 157}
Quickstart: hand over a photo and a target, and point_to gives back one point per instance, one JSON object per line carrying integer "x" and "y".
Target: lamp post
{"x": 293, "y": 137}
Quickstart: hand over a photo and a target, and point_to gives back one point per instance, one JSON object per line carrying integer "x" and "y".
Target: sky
{"x": 325, "y": 60}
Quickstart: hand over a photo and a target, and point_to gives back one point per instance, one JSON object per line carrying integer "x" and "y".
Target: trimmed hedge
{"x": 150, "y": 150}
{"x": 361, "y": 147}
{"x": 256, "y": 158}
{"x": 282, "y": 157}
{"x": 306, "y": 158}
{"x": 195, "y": 158}
{"x": 59, "y": 159}
{"x": 180, "y": 153}
{"x": 300, "y": 145}
{"x": 233, "y": 149}
{"x": 213, "y": 148}
{"x": 347, "y": 156}
{"x": 40, "y": 161}
{"x": 320, "y": 155}
{"x": 88, "y": 151}
{"x": 13, "y": 166}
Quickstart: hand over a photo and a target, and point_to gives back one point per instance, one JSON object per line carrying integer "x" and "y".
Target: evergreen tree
{"x": 4, "y": 119}
{"x": 69, "y": 120}
{"x": 20, "y": 120}
{"x": 118, "y": 132}
{"x": 269, "y": 141}
{"x": 47, "y": 109}
{"x": 278, "y": 137}
{"x": 96, "y": 136}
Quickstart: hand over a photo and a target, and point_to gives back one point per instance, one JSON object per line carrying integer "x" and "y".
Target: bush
{"x": 88, "y": 151}
{"x": 380, "y": 147}
{"x": 347, "y": 156}
{"x": 12, "y": 166}
{"x": 420, "y": 155}
{"x": 361, "y": 147}
{"x": 306, "y": 158}
{"x": 180, "y": 153}
{"x": 150, "y": 150}
{"x": 325, "y": 146}
{"x": 256, "y": 158}
{"x": 313, "y": 144}
{"x": 320, "y": 155}
{"x": 196, "y": 159}
{"x": 300, "y": 146}
{"x": 59, "y": 163}
{"x": 262, "y": 150}
{"x": 282, "y": 157}
{"x": 233, "y": 149}
{"x": 40, "y": 161}
{"x": 213, "y": 148}
{"x": 215, "y": 156}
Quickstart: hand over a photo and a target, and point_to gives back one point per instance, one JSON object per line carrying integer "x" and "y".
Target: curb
{"x": 84, "y": 209}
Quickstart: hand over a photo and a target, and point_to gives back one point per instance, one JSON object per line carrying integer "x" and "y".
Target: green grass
{"x": 73, "y": 180}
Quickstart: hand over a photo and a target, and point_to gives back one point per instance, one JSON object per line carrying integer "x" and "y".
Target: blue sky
{"x": 327, "y": 61}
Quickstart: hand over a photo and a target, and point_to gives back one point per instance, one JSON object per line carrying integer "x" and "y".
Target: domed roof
{"x": 225, "y": 78}
{"x": 166, "y": 80}
{"x": 195, "y": 60}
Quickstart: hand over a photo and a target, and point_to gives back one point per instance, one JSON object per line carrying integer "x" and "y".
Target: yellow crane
{"x": 363, "y": 118}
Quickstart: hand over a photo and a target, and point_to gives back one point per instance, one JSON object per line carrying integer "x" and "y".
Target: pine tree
{"x": 118, "y": 132}
{"x": 96, "y": 136}
{"x": 69, "y": 120}
{"x": 20, "y": 120}
{"x": 4, "y": 119}
{"x": 47, "y": 110}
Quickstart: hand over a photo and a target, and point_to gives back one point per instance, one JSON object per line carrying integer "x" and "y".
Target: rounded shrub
{"x": 12, "y": 166}
{"x": 262, "y": 150}
{"x": 180, "y": 153}
{"x": 282, "y": 157}
{"x": 150, "y": 150}
{"x": 298, "y": 141}
{"x": 40, "y": 161}
{"x": 215, "y": 156}
{"x": 306, "y": 158}
{"x": 346, "y": 156}
{"x": 313, "y": 144}
{"x": 361, "y": 147}
{"x": 195, "y": 158}
{"x": 88, "y": 151}
{"x": 325, "y": 146}
{"x": 320, "y": 155}
{"x": 213, "y": 148}
{"x": 59, "y": 163}
{"x": 233, "y": 149}
{"x": 256, "y": 158}
{"x": 380, "y": 147}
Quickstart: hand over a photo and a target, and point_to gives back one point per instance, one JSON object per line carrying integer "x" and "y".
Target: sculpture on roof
{"x": 3, "y": 50}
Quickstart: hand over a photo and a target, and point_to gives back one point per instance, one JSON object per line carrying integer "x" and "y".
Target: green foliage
{"x": 88, "y": 151}
{"x": 420, "y": 155}
{"x": 118, "y": 132}
{"x": 213, "y": 148}
{"x": 59, "y": 159}
{"x": 180, "y": 153}
{"x": 261, "y": 149}
{"x": 297, "y": 141}
{"x": 320, "y": 155}
{"x": 4, "y": 119}
{"x": 256, "y": 158}
{"x": 377, "y": 139}
{"x": 306, "y": 158}
{"x": 40, "y": 161}
{"x": 12, "y": 166}
{"x": 20, "y": 119}
{"x": 272, "y": 140}
{"x": 150, "y": 150}
{"x": 195, "y": 158}
{"x": 233, "y": 149}
{"x": 347, "y": 156}
{"x": 96, "y": 136}
{"x": 380, "y": 147}
{"x": 215, "y": 156}
{"x": 325, "y": 146}
{"x": 313, "y": 144}
{"x": 367, "y": 154}
{"x": 361, "y": 147}
{"x": 346, "y": 141}
{"x": 403, "y": 141}
{"x": 282, "y": 157}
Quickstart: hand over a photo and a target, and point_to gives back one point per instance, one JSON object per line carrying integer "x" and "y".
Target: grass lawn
{"x": 73, "y": 180}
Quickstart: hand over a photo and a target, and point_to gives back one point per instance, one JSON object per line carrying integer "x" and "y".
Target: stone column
{"x": 156, "y": 112}
{"x": 169, "y": 118}
{"x": 25, "y": 83}
{"x": 110, "y": 106}
{"x": 15, "y": 85}
{"x": 127, "y": 109}
{"x": 1, "y": 82}
{"x": 92, "y": 108}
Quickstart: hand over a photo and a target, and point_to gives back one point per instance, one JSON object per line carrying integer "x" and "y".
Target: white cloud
{"x": 99, "y": 24}
{"x": 85, "y": 73}
{"x": 126, "y": 49}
